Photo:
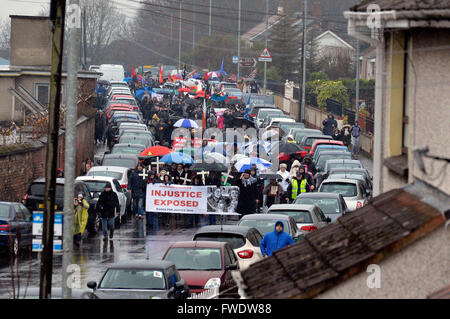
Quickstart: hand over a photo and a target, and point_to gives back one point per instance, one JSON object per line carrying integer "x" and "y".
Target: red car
{"x": 323, "y": 142}
{"x": 203, "y": 264}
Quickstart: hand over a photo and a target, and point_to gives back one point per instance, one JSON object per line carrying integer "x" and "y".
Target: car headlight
{"x": 212, "y": 283}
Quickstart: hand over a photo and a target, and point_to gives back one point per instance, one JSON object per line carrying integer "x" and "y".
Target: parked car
{"x": 155, "y": 279}
{"x": 121, "y": 160}
{"x": 332, "y": 204}
{"x": 307, "y": 217}
{"x": 330, "y": 155}
{"x": 298, "y": 134}
{"x": 133, "y": 149}
{"x": 265, "y": 223}
{"x": 324, "y": 142}
{"x": 309, "y": 140}
{"x": 260, "y": 99}
{"x": 328, "y": 147}
{"x": 354, "y": 176}
{"x": 255, "y": 108}
{"x": 16, "y": 224}
{"x": 286, "y": 127}
{"x": 56, "y": 293}
{"x": 203, "y": 264}
{"x": 146, "y": 140}
{"x": 244, "y": 241}
{"x": 353, "y": 191}
{"x": 359, "y": 171}
{"x": 341, "y": 163}
{"x": 134, "y": 132}
{"x": 96, "y": 186}
{"x": 34, "y": 199}
{"x": 264, "y": 112}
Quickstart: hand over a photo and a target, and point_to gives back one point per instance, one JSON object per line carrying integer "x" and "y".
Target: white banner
{"x": 185, "y": 199}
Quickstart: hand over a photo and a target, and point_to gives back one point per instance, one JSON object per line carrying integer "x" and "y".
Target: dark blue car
{"x": 15, "y": 227}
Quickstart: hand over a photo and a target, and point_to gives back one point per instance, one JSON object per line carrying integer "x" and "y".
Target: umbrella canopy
{"x": 140, "y": 92}
{"x": 289, "y": 148}
{"x": 246, "y": 163}
{"x": 186, "y": 123}
{"x": 155, "y": 151}
{"x": 236, "y": 158}
{"x": 208, "y": 167}
{"x": 177, "y": 157}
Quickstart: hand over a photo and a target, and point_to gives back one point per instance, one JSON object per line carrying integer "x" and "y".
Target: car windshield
{"x": 187, "y": 258}
{"x": 235, "y": 240}
{"x": 299, "y": 135}
{"x": 133, "y": 279}
{"x": 120, "y": 162}
{"x": 123, "y": 129}
{"x": 134, "y": 140}
{"x": 262, "y": 100}
{"x": 264, "y": 226}
{"x": 116, "y": 175}
{"x": 263, "y": 113}
{"x": 4, "y": 211}
{"x": 126, "y": 101}
{"x": 126, "y": 150}
{"x": 309, "y": 141}
{"x": 140, "y": 133}
{"x": 300, "y": 216}
{"x": 343, "y": 165}
{"x": 325, "y": 157}
{"x": 327, "y": 205}
{"x": 287, "y": 126}
{"x": 38, "y": 189}
{"x": 345, "y": 189}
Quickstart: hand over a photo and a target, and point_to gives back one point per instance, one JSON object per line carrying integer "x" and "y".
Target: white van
{"x": 111, "y": 72}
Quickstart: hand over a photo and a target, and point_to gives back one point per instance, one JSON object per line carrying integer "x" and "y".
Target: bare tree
{"x": 5, "y": 32}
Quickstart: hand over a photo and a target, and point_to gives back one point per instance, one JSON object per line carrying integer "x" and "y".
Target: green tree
{"x": 284, "y": 45}
{"x": 332, "y": 90}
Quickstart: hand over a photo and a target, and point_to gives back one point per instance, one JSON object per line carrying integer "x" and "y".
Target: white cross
{"x": 227, "y": 175}
{"x": 185, "y": 179}
{"x": 203, "y": 173}
{"x": 144, "y": 174}
{"x": 157, "y": 163}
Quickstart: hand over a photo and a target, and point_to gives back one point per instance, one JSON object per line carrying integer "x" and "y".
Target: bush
{"x": 332, "y": 90}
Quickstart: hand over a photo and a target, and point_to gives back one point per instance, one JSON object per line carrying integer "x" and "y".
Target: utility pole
{"x": 210, "y": 17}
{"x": 70, "y": 152}
{"x": 57, "y": 15}
{"x": 267, "y": 31}
{"x": 179, "y": 42}
{"x": 305, "y": 15}
{"x": 171, "y": 28}
{"x": 239, "y": 41}
{"x": 193, "y": 26}
{"x": 357, "y": 80}
{"x": 84, "y": 38}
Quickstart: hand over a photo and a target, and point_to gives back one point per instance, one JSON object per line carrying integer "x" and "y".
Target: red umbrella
{"x": 156, "y": 151}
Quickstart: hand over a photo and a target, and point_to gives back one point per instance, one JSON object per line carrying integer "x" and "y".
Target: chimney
{"x": 317, "y": 10}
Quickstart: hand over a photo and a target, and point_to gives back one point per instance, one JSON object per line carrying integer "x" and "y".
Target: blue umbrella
{"x": 246, "y": 163}
{"x": 140, "y": 92}
{"x": 186, "y": 123}
{"x": 177, "y": 157}
{"x": 128, "y": 80}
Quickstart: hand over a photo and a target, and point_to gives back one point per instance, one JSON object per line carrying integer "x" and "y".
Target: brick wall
{"x": 21, "y": 164}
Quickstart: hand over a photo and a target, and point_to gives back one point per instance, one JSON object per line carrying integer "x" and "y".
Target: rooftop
{"x": 333, "y": 254}
{"x": 403, "y": 5}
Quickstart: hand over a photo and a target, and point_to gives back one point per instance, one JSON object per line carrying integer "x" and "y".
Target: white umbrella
{"x": 216, "y": 158}
{"x": 187, "y": 123}
{"x": 237, "y": 158}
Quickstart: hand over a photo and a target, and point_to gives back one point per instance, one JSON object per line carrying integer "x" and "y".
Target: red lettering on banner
{"x": 199, "y": 194}
{"x": 195, "y": 204}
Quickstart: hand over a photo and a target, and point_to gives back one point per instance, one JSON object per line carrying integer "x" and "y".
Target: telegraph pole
{"x": 267, "y": 31}
{"x": 193, "y": 27}
{"x": 357, "y": 80}
{"x": 171, "y": 28}
{"x": 70, "y": 152}
{"x": 179, "y": 42}
{"x": 210, "y": 17}
{"x": 305, "y": 14}
{"x": 239, "y": 41}
{"x": 57, "y": 15}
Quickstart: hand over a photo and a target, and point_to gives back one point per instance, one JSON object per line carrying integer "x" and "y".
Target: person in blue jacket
{"x": 275, "y": 240}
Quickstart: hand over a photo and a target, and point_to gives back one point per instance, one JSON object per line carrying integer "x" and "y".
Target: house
{"x": 367, "y": 64}
{"x": 411, "y": 98}
{"x": 25, "y": 82}
{"x": 398, "y": 242}
{"x": 329, "y": 44}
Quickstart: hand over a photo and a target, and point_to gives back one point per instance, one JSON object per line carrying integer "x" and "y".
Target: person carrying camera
{"x": 81, "y": 215}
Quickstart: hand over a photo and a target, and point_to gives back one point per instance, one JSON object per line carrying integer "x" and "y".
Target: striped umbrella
{"x": 246, "y": 163}
{"x": 186, "y": 123}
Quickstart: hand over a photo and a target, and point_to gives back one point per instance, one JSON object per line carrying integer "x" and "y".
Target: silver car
{"x": 307, "y": 217}
{"x": 353, "y": 191}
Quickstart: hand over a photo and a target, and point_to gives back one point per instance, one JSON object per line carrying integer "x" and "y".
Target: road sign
{"x": 248, "y": 62}
{"x": 265, "y": 56}
{"x": 235, "y": 59}
{"x": 38, "y": 223}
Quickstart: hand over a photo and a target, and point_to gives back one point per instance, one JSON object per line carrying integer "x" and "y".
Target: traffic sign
{"x": 265, "y": 56}
{"x": 235, "y": 59}
{"x": 248, "y": 62}
{"x": 38, "y": 223}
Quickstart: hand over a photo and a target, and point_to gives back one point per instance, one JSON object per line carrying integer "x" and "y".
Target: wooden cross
{"x": 227, "y": 175}
{"x": 157, "y": 164}
{"x": 203, "y": 173}
{"x": 144, "y": 174}
{"x": 185, "y": 179}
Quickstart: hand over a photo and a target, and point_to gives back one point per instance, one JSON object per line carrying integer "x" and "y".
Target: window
{"x": 232, "y": 257}
{"x": 235, "y": 240}
{"x": 42, "y": 93}
{"x": 26, "y": 213}
{"x": 117, "y": 185}
{"x": 252, "y": 239}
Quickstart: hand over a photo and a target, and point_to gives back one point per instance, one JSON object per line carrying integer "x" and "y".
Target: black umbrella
{"x": 192, "y": 102}
{"x": 209, "y": 167}
{"x": 289, "y": 148}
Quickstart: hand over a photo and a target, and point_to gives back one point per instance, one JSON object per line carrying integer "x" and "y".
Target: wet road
{"x": 133, "y": 241}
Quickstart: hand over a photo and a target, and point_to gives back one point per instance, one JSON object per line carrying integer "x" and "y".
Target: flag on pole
{"x": 161, "y": 79}
{"x": 133, "y": 73}
{"x": 204, "y": 114}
